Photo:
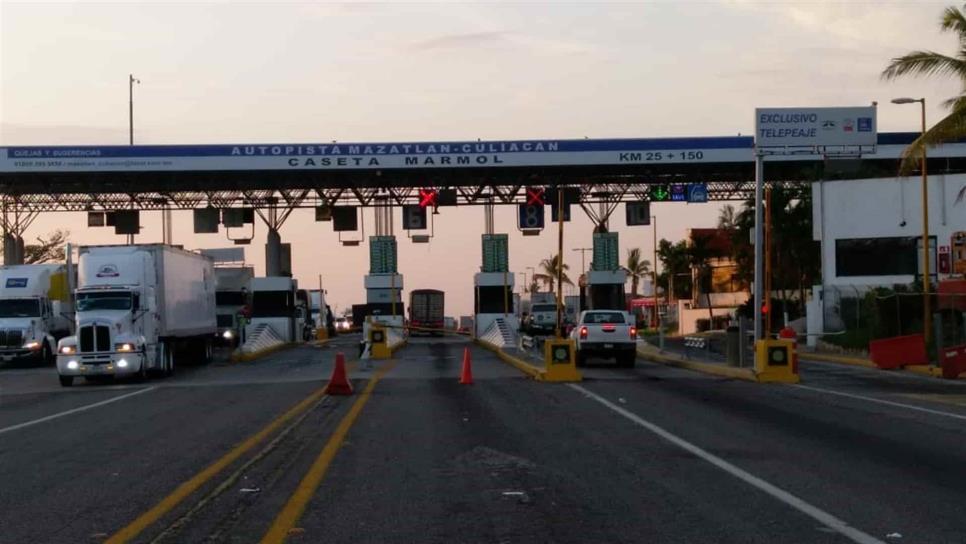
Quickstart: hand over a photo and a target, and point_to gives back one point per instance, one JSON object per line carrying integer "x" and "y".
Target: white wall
{"x": 874, "y": 208}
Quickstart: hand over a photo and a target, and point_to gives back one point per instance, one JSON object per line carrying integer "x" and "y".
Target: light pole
{"x": 926, "y": 311}
{"x": 131, "y": 80}
{"x": 583, "y": 262}
{"x": 657, "y": 314}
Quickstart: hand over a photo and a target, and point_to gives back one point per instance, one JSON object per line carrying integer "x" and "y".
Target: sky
{"x": 252, "y": 72}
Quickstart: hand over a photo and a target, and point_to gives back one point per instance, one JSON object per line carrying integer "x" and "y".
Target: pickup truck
{"x": 606, "y": 333}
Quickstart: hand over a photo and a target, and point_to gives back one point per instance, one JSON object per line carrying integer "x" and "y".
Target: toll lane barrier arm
{"x": 925, "y": 370}
{"x": 654, "y": 355}
{"x": 521, "y": 365}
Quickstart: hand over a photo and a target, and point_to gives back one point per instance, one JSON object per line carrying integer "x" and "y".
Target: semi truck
{"x": 426, "y": 309}
{"x": 231, "y": 296}
{"x": 139, "y": 310}
{"x": 36, "y": 310}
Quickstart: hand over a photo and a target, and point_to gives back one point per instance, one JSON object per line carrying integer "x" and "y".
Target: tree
{"x": 548, "y": 272}
{"x": 700, "y": 254}
{"x": 47, "y": 249}
{"x": 796, "y": 257}
{"x": 636, "y": 268}
{"x": 728, "y": 218}
{"x": 931, "y": 63}
{"x": 674, "y": 263}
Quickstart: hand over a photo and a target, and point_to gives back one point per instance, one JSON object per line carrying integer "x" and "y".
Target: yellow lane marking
{"x": 150, "y": 517}
{"x": 295, "y": 507}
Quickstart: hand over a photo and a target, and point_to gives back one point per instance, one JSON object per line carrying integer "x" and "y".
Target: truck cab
{"x": 34, "y": 310}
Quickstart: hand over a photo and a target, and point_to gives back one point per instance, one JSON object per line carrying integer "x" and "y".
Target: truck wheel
{"x": 168, "y": 360}
{"x": 580, "y": 359}
{"x": 66, "y": 381}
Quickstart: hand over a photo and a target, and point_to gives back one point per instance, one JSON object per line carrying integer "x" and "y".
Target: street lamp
{"x": 927, "y": 315}
{"x": 583, "y": 252}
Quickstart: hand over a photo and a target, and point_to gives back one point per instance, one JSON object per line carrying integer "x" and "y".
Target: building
{"x": 727, "y": 289}
{"x": 870, "y": 232}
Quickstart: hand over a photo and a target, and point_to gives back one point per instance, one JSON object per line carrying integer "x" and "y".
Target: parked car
{"x": 606, "y": 333}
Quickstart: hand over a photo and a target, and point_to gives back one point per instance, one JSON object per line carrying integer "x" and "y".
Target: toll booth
{"x": 493, "y": 289}
{"x": 606, "y": 279}
{"x": 383, "y": 285}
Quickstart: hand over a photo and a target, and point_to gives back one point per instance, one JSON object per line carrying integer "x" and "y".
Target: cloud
{"x": 466, "y": 39}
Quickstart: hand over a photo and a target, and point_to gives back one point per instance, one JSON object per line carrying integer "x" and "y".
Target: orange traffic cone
{"x": 466, "y": 377}
{"x": 339, "y": 382}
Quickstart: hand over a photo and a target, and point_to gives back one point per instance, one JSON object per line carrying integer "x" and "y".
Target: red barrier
{"x": 953, "y": 361}
{"x": 892, "y": 353}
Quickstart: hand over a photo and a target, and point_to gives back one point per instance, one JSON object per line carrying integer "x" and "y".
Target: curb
{"x": 746, "y": 374}
{"x": 237, "y": 357}
{"x": 515, "y": 362}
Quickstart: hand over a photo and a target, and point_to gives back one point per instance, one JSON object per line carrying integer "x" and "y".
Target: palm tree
{"x": 700, "y": 255}
{"x": 728, "y": 218}
{"x": 931, "y": 63}
{"x": 636, "y": 268}
{"x": 548, "y": 272}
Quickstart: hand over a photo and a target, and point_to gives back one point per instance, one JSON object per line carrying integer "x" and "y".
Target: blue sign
{"x": 679, "y": 192}
{"x": 698, "y": 192}
{"x": 16, "y": 282}
{"x": 531, "y": 217}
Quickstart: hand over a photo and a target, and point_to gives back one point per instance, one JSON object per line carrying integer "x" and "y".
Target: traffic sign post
{"x": 803, "y": 131}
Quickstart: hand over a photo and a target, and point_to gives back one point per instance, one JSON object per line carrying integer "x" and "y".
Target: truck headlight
{"x": 72, "y": 365}
{"x": 67, "y": 349}
{"x": 228, "y": 335}
{"x": 33, "y": 344}
{"x": 124, "y": 347}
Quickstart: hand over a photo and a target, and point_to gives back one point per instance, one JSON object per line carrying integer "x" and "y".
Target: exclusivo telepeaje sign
{"x": 815, "y": 127}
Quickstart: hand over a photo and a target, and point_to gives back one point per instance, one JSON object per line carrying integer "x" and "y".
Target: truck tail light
{"x": 583, "y": 333}
{"x": 633, "y": 333}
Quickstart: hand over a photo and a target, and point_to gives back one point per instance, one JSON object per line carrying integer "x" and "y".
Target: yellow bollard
{"x": 560, "y": 361}
{"x": 379, "y": 341}
{"x": 321, "y": 334}
{"x": 773, "y": 361}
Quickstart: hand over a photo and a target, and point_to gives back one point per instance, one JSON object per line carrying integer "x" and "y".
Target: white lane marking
{"x": 881, "y": 401}
{"x": 814, "y": 512}
{"x": 74, "y": 410}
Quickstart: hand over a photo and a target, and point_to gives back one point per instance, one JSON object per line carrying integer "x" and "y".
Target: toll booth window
{"x": 876, "y": 257}
{"x": 272, "y": 304}
{"x": 229, "y": 298}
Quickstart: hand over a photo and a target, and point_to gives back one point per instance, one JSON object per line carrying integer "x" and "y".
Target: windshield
{"x": 544, "y": 308}
{"x": 19, "y": 307}
{"x": 610, "y": 318}
{"x": 116, "y": 300}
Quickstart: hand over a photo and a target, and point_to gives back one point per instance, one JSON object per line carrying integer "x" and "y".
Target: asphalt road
{"x": 651, "y": 454}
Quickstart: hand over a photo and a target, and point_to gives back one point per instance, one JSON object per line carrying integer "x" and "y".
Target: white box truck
{"x": 137, "y": 308}
{"x": 36, "y": 310}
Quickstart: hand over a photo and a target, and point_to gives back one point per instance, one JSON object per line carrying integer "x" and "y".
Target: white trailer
{"x": 138, "y": 308}
{"x": 36, "y": 310}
